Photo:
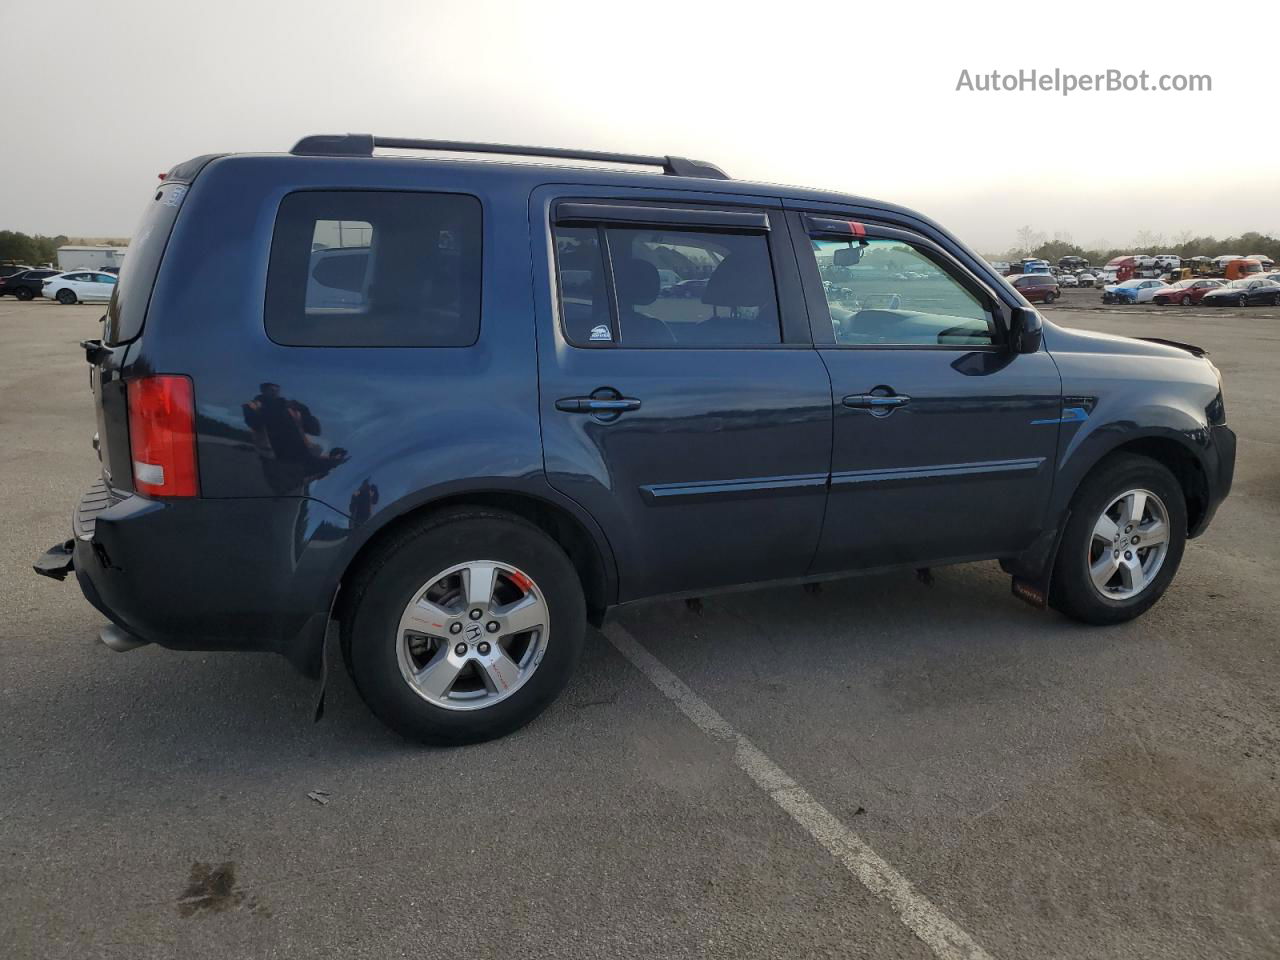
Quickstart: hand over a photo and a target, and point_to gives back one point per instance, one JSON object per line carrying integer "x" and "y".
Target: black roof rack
{"x": 363, "y": 144}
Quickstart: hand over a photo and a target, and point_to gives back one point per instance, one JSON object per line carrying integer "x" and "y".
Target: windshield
{"x": 128, "y": 307}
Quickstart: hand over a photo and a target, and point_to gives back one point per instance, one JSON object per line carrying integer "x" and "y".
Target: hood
{"x": 1069, "y": 340}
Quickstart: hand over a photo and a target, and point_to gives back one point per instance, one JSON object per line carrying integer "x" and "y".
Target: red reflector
{"x": 162, "y": 436}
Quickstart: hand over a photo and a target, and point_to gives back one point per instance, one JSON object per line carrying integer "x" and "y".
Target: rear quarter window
{"x": 128, "y": 308}
{"x": 375, "y": 269}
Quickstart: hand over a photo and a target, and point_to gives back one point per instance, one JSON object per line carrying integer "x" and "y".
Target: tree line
{"x": 39, "y": 249}
{"x": 30, "y": 250}
{"x": 1033, "y": 244}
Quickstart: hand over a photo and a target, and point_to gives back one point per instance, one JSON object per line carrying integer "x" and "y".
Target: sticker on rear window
{"x": 601, "y": 333}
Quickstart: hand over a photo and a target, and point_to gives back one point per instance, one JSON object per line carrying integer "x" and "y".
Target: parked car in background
{"x": 1262, "y": 258}
{"x": 1037, "y": 286}
{"x": 9, "y": 269}
{"x": 1084, "y": 279}
{"x": 1147, "y": 290}
{"x": 1185, "y": 293}
{"x": 1250, "y": 291}
{"x": 692, "y": 289}
{"x": 1068, "y": 280}
{"x": 1127, "y": 292}
{"x": 26, "y": 285}
{"x": 87, "y": 286}
{"x": 1263, "y": 293}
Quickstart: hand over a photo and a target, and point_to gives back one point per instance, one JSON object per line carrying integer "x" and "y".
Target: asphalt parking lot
{"x": 1050, "y": 790}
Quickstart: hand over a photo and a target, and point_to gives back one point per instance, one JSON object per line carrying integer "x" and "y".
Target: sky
{"x": 856, "y": 96}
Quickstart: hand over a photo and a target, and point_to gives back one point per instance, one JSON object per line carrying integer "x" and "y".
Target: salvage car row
{"x": 1209, "y": 292}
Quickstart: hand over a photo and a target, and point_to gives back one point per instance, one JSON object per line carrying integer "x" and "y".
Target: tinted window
{"x": 364, "y": 268}
{"x": 128, "y": 308}
{"x": 584, "y": 301}
{"x": 672, "y": 287}
{"x": 888, "y": 292}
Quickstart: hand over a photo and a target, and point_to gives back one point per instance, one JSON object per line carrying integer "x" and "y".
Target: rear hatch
{"x": 126, "y": 314}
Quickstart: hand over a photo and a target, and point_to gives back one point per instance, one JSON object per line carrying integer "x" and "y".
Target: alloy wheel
{"x": 472, "y": 635}
{"x": 1129, "y": 543}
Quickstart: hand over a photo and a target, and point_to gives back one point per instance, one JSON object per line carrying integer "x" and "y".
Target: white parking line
{"x": 921, "y": 917}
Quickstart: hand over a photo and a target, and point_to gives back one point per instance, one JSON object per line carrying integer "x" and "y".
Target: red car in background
{"x": 1185, "y": 293}
{"x": 1037, "y": 286}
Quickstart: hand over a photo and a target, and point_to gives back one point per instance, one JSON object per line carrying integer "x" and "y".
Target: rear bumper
{"x": 207, "y": 574}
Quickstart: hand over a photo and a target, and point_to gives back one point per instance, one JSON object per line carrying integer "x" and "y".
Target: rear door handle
{"x": 597, "y": 405}
{"x": 873, "y": 401}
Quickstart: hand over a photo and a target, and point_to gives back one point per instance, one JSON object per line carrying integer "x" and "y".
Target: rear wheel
{"x": 1186, "y": 301}
{"x": 66, "y": 297}
{"x": 1123, "y": 542}
{"x": 22, "y": 293}
{"x": 464, "y": 627}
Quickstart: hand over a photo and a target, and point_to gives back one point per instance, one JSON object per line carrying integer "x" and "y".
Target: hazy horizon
{"x": 853, "y": 99}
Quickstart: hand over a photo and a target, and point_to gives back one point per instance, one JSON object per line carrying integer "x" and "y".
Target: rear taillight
{"x": 162, "y": 436}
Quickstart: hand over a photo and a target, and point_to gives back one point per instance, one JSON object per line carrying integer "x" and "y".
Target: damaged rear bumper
{"x": 253, "y": 574}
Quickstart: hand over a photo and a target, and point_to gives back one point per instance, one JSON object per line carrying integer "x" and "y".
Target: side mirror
{"x": 846, "y": 256}
{"x": 1025, "y": 330}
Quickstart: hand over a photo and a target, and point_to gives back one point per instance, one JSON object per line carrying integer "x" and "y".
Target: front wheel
{"x": 1123, "y": 542}
{"x": 464, "y": 627}
{"x": 66, "y": 297}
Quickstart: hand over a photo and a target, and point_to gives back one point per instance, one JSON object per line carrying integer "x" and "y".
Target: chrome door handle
{"x": 872, "y": 401}
{"x": 597, "y": 405}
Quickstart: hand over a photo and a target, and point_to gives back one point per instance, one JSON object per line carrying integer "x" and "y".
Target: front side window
{"x": 647, "y": 287}
{"x": 888, "y": 292}
{"x": 375, "y": 269}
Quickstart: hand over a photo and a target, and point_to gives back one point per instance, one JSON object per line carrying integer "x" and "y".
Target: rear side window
{"x": 668, "y": 287}
{"x": 128, "y": 308}
{"x": 375, "y": 269}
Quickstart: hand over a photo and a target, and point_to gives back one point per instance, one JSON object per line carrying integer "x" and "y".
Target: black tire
{"x": 1072, "y": 591}
{"x": 66, "y": 297}
{"x": 1050, "y": 297}
{"x": 23, "y": 294}
{"x": 386, "y": 583}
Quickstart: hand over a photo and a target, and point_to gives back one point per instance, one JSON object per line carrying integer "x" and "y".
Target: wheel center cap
{"x": 473, "y": 632}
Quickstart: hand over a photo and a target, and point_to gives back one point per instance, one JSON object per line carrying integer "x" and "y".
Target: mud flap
{"x": 1032, "y": 593}
{"x": 1035, "y": 589}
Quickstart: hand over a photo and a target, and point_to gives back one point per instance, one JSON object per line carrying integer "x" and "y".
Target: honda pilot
{"x": 453, "y": 406}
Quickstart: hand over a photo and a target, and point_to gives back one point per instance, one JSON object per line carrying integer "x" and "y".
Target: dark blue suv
{"x": 465, "y": 407}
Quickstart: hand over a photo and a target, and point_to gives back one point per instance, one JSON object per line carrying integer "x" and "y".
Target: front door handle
{"x": 876, "y": 402}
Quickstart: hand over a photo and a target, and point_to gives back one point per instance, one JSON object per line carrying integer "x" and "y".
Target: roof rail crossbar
{"x": 363, "y": 144}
